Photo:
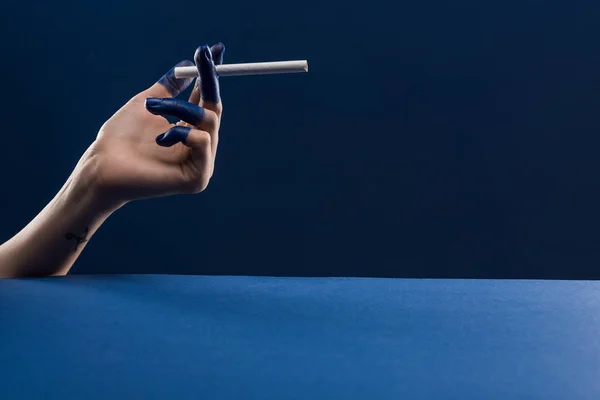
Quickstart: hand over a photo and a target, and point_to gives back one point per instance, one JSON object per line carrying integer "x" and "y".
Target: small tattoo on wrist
{"x": 79, "y": 239}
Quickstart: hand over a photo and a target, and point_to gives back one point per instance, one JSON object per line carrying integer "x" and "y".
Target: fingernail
{"x": 172, "y": 136}
{"x": 208, "y": 53}
{"x": 199, "y": 51}
{"x": 218, "y": 58}
{"x": 152, "y": 102}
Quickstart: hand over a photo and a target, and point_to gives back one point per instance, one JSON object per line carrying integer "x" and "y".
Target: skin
{"x": 137, "y": 154}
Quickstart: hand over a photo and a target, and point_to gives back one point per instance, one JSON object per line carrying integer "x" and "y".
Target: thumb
{"x": 168, "y": 85}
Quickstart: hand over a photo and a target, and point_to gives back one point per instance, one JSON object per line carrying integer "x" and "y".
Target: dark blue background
{"x": 430, "y": 138}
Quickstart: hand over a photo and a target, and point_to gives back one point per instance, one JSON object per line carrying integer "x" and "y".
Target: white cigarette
{"x": 262, "y": 68}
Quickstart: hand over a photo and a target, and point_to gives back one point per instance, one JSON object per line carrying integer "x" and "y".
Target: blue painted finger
{"x": 174, "y": 85}
{"x": 209, "y": 81}
{"x": 180, "y": 109}
{"x": 173, "y": 136}
{"x": 217, "y": 51}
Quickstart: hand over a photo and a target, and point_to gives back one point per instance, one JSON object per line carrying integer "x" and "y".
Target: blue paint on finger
{"x": 217, "y": 51}
{"x": 209, "y": 81}
{"x": 180, "y": 109}
{"x": 173, "y": 85}
{"x": 173, "y": 136}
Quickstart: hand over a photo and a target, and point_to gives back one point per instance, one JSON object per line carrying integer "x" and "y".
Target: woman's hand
{"x": 139, "y": 154}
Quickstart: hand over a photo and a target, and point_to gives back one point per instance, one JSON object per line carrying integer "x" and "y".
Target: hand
{"x": 139, "y": 154}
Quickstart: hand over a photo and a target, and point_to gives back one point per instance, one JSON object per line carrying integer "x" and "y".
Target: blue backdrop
{"x": 467, "y": 148}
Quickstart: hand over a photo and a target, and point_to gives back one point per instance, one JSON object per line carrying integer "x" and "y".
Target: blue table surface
{"x": 210, "y": 337}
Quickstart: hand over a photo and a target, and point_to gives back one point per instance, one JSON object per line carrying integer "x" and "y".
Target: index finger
{"x": 168, "y": 85}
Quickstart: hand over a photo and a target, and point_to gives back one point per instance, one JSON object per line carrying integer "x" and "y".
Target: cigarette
{"x": 261, "y": 68}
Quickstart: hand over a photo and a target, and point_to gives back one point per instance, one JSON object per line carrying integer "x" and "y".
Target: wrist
{"x": 53, "y": 240}
{"x": 85, "y": 188}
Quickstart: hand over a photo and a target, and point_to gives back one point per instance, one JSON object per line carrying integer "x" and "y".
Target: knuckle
{"x": 211, "y": 120}
{"x": 196, "y": 186}
{"x": 152, "y": 119}
{"x": 219, "y": 108}
{"x": 204, "y": 139}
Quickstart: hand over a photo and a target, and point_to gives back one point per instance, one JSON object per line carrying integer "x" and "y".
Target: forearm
{"x": 50, "y": 244}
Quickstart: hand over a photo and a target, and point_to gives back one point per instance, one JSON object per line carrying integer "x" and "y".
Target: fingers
{"x": 207, "y": 84}
{"x": 168, "y": 85}
{"x": 217, "y": 51}
{"x": 182, "y": 110}
{"x": 201, "y": 167}
{"x": 177, "y": 134}
{"x": 209, "y": 80}
{"x": 200, "y": 116}
{"x": 193, "y": 138}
